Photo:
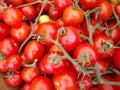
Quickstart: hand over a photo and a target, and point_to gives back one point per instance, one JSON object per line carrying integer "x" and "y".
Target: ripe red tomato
{"x": 105, "y": 11}
{"x": 41, "y": 83}
{"x": 1, "y": 10}
{"x": 29, "y": 1}
{"x": 29, "y": 73}
{"x": 48, "y": 30}
{"x": 26, "y": 86}
{"x": 33, "y": 50}
{"x": 4, "y": 30}
{"x": 73, "y": 16}
{"x": 117, "y": 9}
{"x": 51, "y": 63}
{"x": 66, "y": 80}
{"x": 15, "y": 80}
{"x": 102, "y": 65}
{"x": 87, "y": 53}
{"x": 13, "y": 62}
{"x": 59, "y": 22}
{"x": 117, "y": 79}
{"x": 14, "y": 2}
{"x": 21, "y": 33}
{"x": 69, "y": 38}
{"x": 29, "y": 12}
{"x": 8, "y": 46}
{"x": 13, "y": 17}
{"x": 104, "y": 45}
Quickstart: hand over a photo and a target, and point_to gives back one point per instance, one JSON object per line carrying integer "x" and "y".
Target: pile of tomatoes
{"x": 60, "y": 44}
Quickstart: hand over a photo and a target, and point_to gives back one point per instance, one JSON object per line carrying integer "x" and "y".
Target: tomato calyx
{"x": 62, "y": 31}
{"x": 2, "y": 56}
{"x": 9, "y": 74}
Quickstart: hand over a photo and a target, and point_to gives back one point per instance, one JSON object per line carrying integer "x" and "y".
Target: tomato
{"x": 59, "y": 22}
{"x": 29, "y": 1}
{"x": 117, "y": 9}
{"x": 116, "y": 59}
{"x": 117, "y": 79}
{"x": 47, "y": 30}
{"x": 15, "y": 80}
{"x": 20, "y": 33}
{"x": 54, "y": 48}
{"x": 29, "y": 12}
{"x": 102, "y": 65}
{"x": 69, "y": 37}
{"x": 93, "y": 89}
{"x": 66, "y": 80}
{"x": 51, "y": 63}
{"x": 87, "y": 54}
{"x": 4, "y": 30}
{"x": 73, "y": 16}
{"x": 88, "y": 4}
{"x": 26, "y": 86}
{"x": 104, "y": 45}
{"x": 13, "y": 62}
{"x": 1, "y": 10}
{"x": 41, "y": 83}
{"x": 8, "y": 46}
{"x": 14, "y": 2}
{"x": 61, "y": 5}
{"x": 33, "y": 50}
{"x": 29, "y": 73}
{"x": 3, "y": 67}
{"x": 105, "y": 11}
{"x": 44, "y": 18}
{"x": 13, "y": 17}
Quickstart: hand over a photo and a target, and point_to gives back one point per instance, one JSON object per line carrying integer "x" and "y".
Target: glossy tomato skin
{"x": 70, "y": 39}
{"x": 41, "y": 83}
{"x": 33, "y": 50}
{"x": 46, "y": 65}
{"x": 105, "y": 52}
{"x": 8, "y": 46}
{"x": 29, "y": 12}
{"x": 21, "y": 33}
{"x": 26, "y": 86}
{"x": 48, "y": 30}
{"x": 59, "y": 22}
{"x": 29, "y": 1}
{"x": 102, "y": 66}
{"x": 13, "y": 17}
{"x": 14, "y": 81}
{"x": 14, "y": 2}
{"x": 73, "y": 16}
{"x": 105, "y": 11}
{"x": 29, "y": 73}
{"x": 14, "y": 62}
{"x": 84, "y": 49}
{"x": 4, "y": 30}
{"x": 117, "y": 9}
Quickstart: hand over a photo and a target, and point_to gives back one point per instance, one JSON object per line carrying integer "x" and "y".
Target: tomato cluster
{"x": 60, "y": 44}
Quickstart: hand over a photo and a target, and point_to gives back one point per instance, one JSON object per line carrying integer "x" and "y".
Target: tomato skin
{"x": 21, "y": 33}
{"x": 33, "y": 50}
{"x": 1, "y": 10}
{"x": 14, "y": 2}
{"x": 116, "y": 59}
{"x": 8, "y": 46}
{"x": 46, "y": 66}
{"x": 41, "y": 83}
{"x": 102, "y": 66}
{"x": 66, "y": 80}
{"x": 29, "y": 1}
{"x": 85, "y": 48}
{"x": 48, "y": 30}
{"x": 14, "y": 81}
{"x": 59, "y": 22}
{"x": 105, "y": 11}
{"x": 117, "y": 79}
{"x": 117, "y": 9}
{"x": 73, "y": 16}
{"x": 14, "y": 62}
{"x": 26, "y": 86}
{"x": 4, "y": 30}
{"x": 3, "y": 67}
{"x": 29, "y": 12}
{"x": 29, "y": 73}
{"x": 12, "y": 16}
{"x": 70, "y": 39}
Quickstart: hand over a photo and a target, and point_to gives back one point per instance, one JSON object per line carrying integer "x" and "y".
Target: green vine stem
{"x": 33, "y": 27}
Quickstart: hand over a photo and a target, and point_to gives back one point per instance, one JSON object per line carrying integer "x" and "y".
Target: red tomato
{"x": 14, "y": 2}
{"x": 117, "y": 79}
{"x": 59, "y": 22}
{"x": 21, "y": 33}
{"x": 29, "y": 1}
{"x": 8, "y": 46}
{"x": 93, "y": 89}
{"x": 29, "y": 73}
{"x": 13, "y": 17}
{"x": 13, "y": 62}
{"x": 117, "y": 9}
{"x": 104, "y": 45}
{"x": 69, "y": 38}
{"x": 15, "y": 80}
{"x": 4, "y": 30}
{"x": 48, "y": 30}
{"x": 51, "y": 63}
{"x": 29, "y": 12}
{"x": 66, "y": 80}
{"x": 87, "y": 53}
{"x": 105, "y": 11}
{"x": 1, "y": 10}
{"x": 33, "y": 50}
{"x": 102, "y": 65}
{"x": 73, "y": 16}
{"x": 26, "y": 86}
{"x": 41, "y": 83}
